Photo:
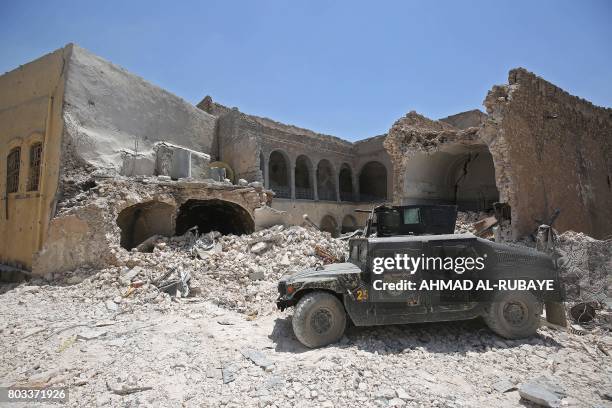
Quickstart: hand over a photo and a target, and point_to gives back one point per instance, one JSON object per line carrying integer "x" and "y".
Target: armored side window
{"x": 35, "y": 160}
{"x": 412, "y": 216}
{"x": 12, "y": 170}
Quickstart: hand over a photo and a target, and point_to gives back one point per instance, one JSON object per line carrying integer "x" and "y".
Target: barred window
{"x": 12, "y": 170}
{"x": 35, "y": 159}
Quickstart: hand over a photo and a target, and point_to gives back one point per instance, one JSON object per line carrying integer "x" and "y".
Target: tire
{"x": 319, "y": 319}
{"x": 513, "y": 315}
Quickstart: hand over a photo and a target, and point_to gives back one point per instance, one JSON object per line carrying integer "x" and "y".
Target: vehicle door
{"x": 397, "y": 305}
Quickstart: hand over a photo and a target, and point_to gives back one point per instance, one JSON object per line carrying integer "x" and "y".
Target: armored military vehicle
{"x": 427, "y": 279}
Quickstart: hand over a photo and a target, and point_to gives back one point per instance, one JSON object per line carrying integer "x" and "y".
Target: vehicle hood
{"x": 331, "y": 271}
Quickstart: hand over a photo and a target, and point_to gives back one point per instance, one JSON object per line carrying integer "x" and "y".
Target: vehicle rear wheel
{"x": 514, "y": 315}
{"x": 319, "y": 319}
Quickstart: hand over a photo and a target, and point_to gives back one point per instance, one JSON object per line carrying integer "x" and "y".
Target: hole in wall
{"x": 214, "y": 215}
{"x": 143, "y": 220}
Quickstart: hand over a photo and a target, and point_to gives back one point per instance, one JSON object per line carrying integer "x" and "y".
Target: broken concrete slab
{"x": 258, "y": 358}
{"x": 503, "y": 385}
{"x": 542, "y": 391}
{"x": 229, "y": 373}
{"x": 260, "y": 247}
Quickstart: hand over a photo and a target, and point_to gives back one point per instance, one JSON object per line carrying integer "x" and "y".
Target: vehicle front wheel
{"x": 513, "y": 315}
{"x": 319, "y": 319}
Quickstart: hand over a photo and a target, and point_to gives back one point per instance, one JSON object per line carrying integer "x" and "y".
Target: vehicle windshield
{"x": 387, "y": 223}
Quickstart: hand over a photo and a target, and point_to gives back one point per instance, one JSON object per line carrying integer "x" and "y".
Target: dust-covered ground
{"x": 229, "y": 346}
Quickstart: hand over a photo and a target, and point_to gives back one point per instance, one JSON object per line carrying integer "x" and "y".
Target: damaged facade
{"x": 538, "y": 150}
{"x": 99, "y": 160}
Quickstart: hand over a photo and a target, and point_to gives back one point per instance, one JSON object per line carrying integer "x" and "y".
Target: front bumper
{"x": 283, "y": 303}
{"x": 284, "y": 300}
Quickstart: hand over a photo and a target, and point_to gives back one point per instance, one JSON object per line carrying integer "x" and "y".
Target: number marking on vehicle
{"x": 362, "y": 295}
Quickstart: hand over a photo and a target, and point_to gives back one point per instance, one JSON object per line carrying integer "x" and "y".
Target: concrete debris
{"x": 258, "y": 358}
{"x": 229, "y": 373}
{"x": 504, "y": 385}
{"x": 484, "y": 225}
{"x": 148, "y": 244}
{"x": 129, "y": 276}
{"x": 259, "y": 247}
{"x": 238, "y": 272}
{"x": 542, "y": 391}
{"x": 467, "y": 220}
{"x": 179, "y": 286}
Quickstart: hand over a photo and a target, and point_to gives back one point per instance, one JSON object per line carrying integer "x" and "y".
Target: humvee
{"x": 328, "y": 297}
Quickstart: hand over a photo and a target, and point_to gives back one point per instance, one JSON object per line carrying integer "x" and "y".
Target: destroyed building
{"x": 98, "y": 160}
{"x": 539, "y": 149}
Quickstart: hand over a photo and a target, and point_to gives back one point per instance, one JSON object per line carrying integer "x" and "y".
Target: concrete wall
{"x": 31, "y": 99}
{"x": 554, "y": 150}
{"x": 110, "y": 111}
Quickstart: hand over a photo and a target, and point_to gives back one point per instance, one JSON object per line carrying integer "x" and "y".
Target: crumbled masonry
{"x": 158, "y": 231}
{"x": 227, "y": 345}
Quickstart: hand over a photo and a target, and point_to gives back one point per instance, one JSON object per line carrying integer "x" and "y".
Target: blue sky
{"x": 347, "y": 68}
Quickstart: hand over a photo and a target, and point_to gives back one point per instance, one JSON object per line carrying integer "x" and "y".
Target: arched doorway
{"x": 345, "y": 180}
{"x": 214, "y": 215}
{"x": 373, "y": 182}
{"x": 278, "y": 173}
{"x": 456, "y": 174}
{"x": 303, "y": 178}
{"x": 329, "y": 224}
{"x": 349, "y": 224}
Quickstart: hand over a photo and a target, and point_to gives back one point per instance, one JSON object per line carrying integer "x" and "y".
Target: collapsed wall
{"x": 437, "y": 163}
{"x": 539, "y": 149}
{"x": 554, "y": 150}
{"x": 112, "y": 215}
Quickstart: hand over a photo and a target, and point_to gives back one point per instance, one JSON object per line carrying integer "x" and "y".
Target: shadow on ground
{"x": 441, "y": 337}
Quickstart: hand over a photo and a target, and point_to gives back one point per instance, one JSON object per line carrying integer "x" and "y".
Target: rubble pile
{"x": 237, "y": 272}
{"x": 189, "y": 352}
{"x": 466, "y": 220}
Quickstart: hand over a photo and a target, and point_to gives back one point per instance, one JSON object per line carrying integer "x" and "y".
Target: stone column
{"x": 266, "y": 174}
{"x": 355, "y": 181}
{"x": 292, "y": 177}
{"x": 337, "y": 183}
{"x": 315, "y": 191}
